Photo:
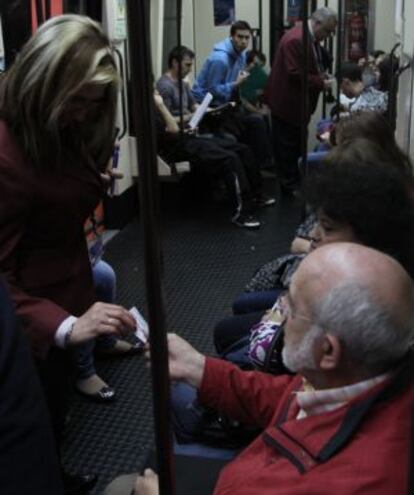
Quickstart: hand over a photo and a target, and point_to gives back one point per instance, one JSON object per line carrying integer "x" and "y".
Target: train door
{"x": 404, "y": 21}
{"x": 114, "y": 23}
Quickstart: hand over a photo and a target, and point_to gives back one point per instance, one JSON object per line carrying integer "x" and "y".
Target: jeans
{"x": 188, "y": 418}
{"x": 104, "y": 279}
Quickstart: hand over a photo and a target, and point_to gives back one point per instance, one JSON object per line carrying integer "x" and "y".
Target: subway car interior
{"x": 184, "y": 241}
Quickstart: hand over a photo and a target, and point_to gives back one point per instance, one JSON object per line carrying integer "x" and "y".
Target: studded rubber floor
{"x": 207, "y": 262}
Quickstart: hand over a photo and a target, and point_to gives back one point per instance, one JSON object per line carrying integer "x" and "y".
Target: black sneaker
{"x": 246, "y": 221}
{"x": 264, "y": 200}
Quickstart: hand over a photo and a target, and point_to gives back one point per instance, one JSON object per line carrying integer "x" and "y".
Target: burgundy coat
{"x": 361, "y": 448}
{"x": 284, "y": 86}
{"x": 43, "y": 252}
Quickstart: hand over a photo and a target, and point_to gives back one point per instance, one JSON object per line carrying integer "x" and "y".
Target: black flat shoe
{"x": 104, "y": 395}
{"x": 78, "y": 484}
{"x": 136, "y": 348}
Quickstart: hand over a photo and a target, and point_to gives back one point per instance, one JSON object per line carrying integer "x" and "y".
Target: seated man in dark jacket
{"x": 214, "y": 156}
{"x": 348, "y": 413}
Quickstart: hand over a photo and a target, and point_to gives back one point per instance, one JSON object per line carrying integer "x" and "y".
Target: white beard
{"x": 301, "y": 357}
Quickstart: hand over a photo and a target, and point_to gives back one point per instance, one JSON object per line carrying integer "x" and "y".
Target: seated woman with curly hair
{"x": 359, "y": 196}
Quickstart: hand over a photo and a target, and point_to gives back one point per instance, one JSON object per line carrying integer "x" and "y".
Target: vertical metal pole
{"x": 277, "y": 13}
{"x": 393, "y": 88}
{"x": 48, "y": 12}
{"x": 339, "y": 51}
{"x": 324, "y": 103}
{"x": 305, "y": 84}
{"x": 39, "y": 12}
{"x": 180, "y": 59}
{"x": 261, "y": 25}
{"x": 143, "y": 114}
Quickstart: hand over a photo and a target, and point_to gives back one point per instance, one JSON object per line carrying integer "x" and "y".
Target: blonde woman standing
{"x": 57, "y": 111}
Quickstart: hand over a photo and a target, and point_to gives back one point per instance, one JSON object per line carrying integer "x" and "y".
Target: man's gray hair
{"x": 374, "y": 336}
{"x": 323, "y": 15}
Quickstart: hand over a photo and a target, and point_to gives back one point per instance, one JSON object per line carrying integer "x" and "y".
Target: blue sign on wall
{"x": 293, "y": 10}
{"x": 224, "y": 12}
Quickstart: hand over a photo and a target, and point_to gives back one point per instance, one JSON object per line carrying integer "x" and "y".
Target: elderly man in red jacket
{"x": 344, "y": 423}
{"x": 284, "y": 91}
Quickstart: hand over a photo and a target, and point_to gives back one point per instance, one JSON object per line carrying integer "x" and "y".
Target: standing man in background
{"x": 221, "y": 75}
{"x": 284, "y": 91}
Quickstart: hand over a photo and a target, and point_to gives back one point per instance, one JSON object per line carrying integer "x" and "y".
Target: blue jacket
{"x": 219, "y": 72}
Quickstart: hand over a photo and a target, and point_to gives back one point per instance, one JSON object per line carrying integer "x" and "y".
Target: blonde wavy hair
{"x": 65, "y": 54}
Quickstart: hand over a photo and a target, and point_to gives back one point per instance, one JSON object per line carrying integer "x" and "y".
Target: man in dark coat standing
{"x": 284, "y": 91}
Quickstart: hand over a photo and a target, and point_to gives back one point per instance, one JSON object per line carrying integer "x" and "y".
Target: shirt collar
{"x": 313, "y": 401}
{"x": 311, "y": 30}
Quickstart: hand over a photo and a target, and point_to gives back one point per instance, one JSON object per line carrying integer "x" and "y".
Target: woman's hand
{"x": 101, "y": 319}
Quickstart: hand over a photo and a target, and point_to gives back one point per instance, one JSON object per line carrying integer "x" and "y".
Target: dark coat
{"x": 28, "y": 459}
{"x": 284, "y": 88}
{"x": 43, "y": 252}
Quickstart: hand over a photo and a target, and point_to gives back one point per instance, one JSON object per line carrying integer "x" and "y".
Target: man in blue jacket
{"x": 221, "y": 75}
{"x": 222, "y": 72}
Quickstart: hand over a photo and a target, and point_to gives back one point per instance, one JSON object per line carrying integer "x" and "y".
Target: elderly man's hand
{"x": 147, "y": 484}
{"x": 185, "y": 363}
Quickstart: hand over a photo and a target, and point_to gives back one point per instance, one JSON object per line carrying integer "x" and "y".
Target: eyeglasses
{"x": 286, "y": 311}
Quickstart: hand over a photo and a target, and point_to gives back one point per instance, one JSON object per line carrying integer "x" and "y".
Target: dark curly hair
{"x": 373, "y": 126}
{"x": 357, "y": 186}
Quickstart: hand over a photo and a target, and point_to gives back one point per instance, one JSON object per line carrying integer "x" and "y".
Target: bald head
{"x": 346, "y": 263}
{"x": 362, "y": 296}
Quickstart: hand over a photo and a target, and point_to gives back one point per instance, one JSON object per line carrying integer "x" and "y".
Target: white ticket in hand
{"x": 142, "y": 330}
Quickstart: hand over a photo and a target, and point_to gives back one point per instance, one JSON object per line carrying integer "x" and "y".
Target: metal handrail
{"x": 138, "y": 19}
{"x": 339, "y": 53}
{"x": 305, "y": 84}
{"x": 39, "y": 12}
{"x": 180, "y": 59}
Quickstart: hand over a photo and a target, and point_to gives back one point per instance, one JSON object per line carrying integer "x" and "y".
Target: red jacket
{"x": 284, "y": 87}
{"x": 361, "y": 448}
{"x": 43, "y": 251}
